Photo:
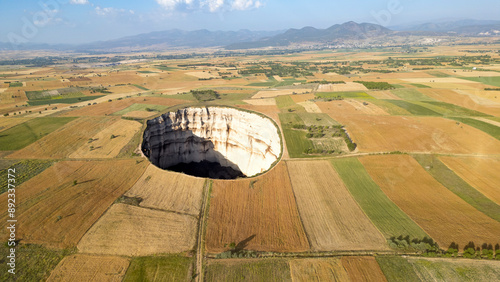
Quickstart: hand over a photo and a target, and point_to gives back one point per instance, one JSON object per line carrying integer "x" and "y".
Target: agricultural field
{"x": 362, "y": 269}
{"x": 88, "y": 267}
{"x": 441, "y": 214}
{"x": 66, "y": 140}
{"x": 329, "y": 269}
{"x": 265, "y": 217}
{"x": 159, "y": 268}
{"x": 109, "y": 141}
{"x": 168, "y": 191}
{"x": 127, "y": 230}
{"x": 60, "y": 204}
{"x": 331, "y": 217}
{"x": 386, "y": 215}
{"x": 480, "y": 173}
{"x": 390, "y": 157}
{"x": 250, "y": 270}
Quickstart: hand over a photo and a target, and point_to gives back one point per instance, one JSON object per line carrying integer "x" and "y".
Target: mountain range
{"x": 246, "y": 39}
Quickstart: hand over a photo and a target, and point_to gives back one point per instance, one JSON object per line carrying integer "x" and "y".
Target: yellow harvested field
{"x": 166, "y": 190}
{"x": 331, "y": 217}
{"x": 8, "y": 122}
{"x": 56, "y": 212}
{"x": 200, "y": 74}
{"x": 480, "y": 173}
{"x": 279, "y": 92}
{"x": 278, "y": 78}
{"x": 302, "y": 97}
{"x": 476, "y": 73}
{"x": 261, "y": 102}
{"x": 66, "y": 140}
{"x": 439, "y": 80}
{"x": 495, "y": 123}
{"x": 348, "y": 86}
{"x": 442, "y": 214}
{"x": 257, "y": 214}
{"x": 81, "y": 267}
{"x": 482, "y": 97}
{"x": 329, "y": 269}
{"x": 139, "y": 114}
{"x": 416, "y": 134}
{"x": 465, "y": 100}
{"x": 383, "y": 94}
{"x": 363, "y": 269}
{"x": 133, "y": 231}
{"x": 310, "y": 107}
{"x": 106, "y": 147}
{"x": 342, "y": 108}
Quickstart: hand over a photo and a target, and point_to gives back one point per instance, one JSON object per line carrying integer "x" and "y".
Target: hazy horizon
{"x": 84, "y": 21}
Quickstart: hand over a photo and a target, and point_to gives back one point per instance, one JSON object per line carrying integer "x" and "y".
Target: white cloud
{"x": 110, "y": 11}
{"x": 210, "y": 5}
{"x": 79, "y": 2}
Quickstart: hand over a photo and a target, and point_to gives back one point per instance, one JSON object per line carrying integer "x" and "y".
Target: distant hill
{"x": 345, "y": 31}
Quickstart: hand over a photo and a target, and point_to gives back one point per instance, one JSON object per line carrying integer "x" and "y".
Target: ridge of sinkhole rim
{"x": 217, "y": 142}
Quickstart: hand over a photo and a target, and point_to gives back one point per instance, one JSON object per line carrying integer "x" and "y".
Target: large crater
{"x": 214, "y": 142}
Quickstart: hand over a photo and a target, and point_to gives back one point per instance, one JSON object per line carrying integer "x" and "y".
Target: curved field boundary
{"x": 386, "y": 215}
{"x": 442, "y": 214}
{"x": 331, "y": 217}
{"x": 445, "y": 175}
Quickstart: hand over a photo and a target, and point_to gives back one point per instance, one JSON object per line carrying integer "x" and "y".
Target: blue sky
{"x": 80, "y": 21}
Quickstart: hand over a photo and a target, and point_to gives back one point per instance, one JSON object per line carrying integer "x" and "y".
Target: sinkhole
{"x": 212, "y": 142}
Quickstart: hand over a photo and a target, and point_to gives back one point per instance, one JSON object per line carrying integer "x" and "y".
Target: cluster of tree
{"x": 316, "y": 151}
{"x": 492, "y": 89}
{"x": 486, "y": 251}
{"x": 343, "y": 133}
{"x": 425, "y": 246}
{"x": 205, "y": 95}
{"x": 376, "y": 85}
{"x": 326, "y": 82}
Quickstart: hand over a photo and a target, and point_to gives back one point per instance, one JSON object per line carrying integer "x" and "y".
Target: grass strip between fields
{"x": 386, "y": 215}
{"x": 457, "y": 185}
{"x": 415, "y": 109}
{"x": 481, "y": 125}
{"x": 159, "y": 268}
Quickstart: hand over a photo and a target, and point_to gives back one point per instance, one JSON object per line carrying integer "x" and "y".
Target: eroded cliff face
{"x": 243, "y": 141}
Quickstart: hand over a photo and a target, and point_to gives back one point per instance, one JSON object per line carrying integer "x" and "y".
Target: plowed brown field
{"x": 363, "y": 269}
{"x": 442, "y": 214}
{"x": 332, "y": 218}
{"x": 56, "y": 213}
{"x": 261, "y": 216}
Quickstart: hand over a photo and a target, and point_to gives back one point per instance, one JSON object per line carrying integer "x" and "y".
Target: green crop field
{"x": 386, "y": 215}
{"x": 457, "y": 185}
{"x": 296, "y": 140}
{"x": 270, "y": 82}
{"x": 249, "y": 270}
{"x": 159, "y": 268}
{"x": 141, "y": 107}
{"x": 24, "y": 170}
{"x": 411, "y": 94}
{"x": 397, "y": 269}
{"x": 454, "y": 110}
{"x": 145, "y": 71}
{"x": 492, "y": 80}
{"x": 33, "y": 262}
{"x": 16, "y": 84}
{"x": 418, "y": 85}
{"x": 390, "y": 108}
{"x": 285, "y": 103}
{"x": 22, "y": 135}
{"x": 288, "y": 82}
{"x": 140, "y": 87}
{"x": 317, "y": 119}
{"x": 481, "y": 125}
{"x": 63, "y": 100}
{"x": 351, "y": 95}
{"x": 414, "y": 108}
{"x": 438, "y": 74}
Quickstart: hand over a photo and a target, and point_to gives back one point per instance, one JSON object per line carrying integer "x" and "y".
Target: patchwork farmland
{"x": 385, "y": 173}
